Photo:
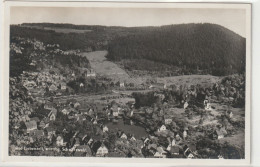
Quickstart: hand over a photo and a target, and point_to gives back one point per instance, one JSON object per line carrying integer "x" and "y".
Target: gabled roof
{"x": 53, "y": 111}
{"x": 37, "y": 133}
{"x": 96, "y": 146}
{"x": 152, "y": 146}
{"x": 175, "y": 149}
{"x": 192, "y": 147}
{"x": 50, "y": 129}
{"x": 103, "y": 146}
{"x": 35, "y": 119}
{"x": 77, "y": 140}
{"x": 60, "y": 137}
{"x": 160, "y": 150}
{"x": 31, "y": 124}
{"x": 123, "y": 135}
{"x": 221, "y": 131}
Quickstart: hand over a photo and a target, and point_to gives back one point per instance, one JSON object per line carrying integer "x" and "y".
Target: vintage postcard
{"x": 127, "y": 82}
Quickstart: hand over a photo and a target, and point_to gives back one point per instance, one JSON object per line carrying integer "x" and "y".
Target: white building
{"x": 162, "y": 128}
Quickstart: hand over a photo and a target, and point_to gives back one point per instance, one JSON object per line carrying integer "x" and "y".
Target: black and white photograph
{"x": 129, "y": 82}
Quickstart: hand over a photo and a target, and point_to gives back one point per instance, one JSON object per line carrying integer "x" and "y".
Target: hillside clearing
{"x": 103, "y": 67}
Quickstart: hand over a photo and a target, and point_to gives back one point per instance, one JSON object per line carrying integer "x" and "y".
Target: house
{"x": 90, "y": 141}
{"x": 63, "y": 86}
{"x": 40, "y": 100}
{"x": 59, "y": 141}
{"x": 220, "y": 157}
{"x": 77, "y": 142}
{"x": 122, "y": 84}
{"x": 162, "y": 128}
{"x": 84, "y": 138}
{"x": 123, "y": 136}
{"x": 165, "y": 86}
{"x": 167, "y": 121}
{"x": 115, "y": 110}
{"x": 50, "y": 131}
{"x": 77, "y": 104}
{"x": 102, "y": 151}
{"x": 205, "y": 102}
{"x": 80, "y": 118}
{"x": 71, "y": 115}
{"x": 208, "y": 106}
{"x": 65, "y": 111}
{"x": 90, "y": 111}
{"x": 169, "y": 147}
{"x": 177, "y": 137}
{"x": 175, "y": 150}
{"x": 94, "y": 121}
{"x": 132, "y": 113}
{"x": 115, "y": 113}
{"x": 146, "y": 140}
{"x": 52, "y": 114}
{"x": 48, "y": 106}
{"x": 105, "y": 128}
{"x": 91, "y": 73}
{"x": 35, "y": 119}
{"x": 160, "y": 153}
{"x": 53, "y": 88}
{"x": 185, "y": 105}
{"x": 184, "y": 134}
{"x": 42, "y": 124}
{"x": 221, "y": 133}
{"x": 173, "y": 142}
{"x": 133, "y": 138}
{"x": 31, "y": 125}
{"x": 189, "y": 150}
{"x": 81, "y": 85}
{"x": 36, "y": 134}
{"x": 229, "y": 114}
{"x": 29, "y": 84}
{"x": 190, "y": 156}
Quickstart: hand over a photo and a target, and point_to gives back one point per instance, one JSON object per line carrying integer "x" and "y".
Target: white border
{"x": 102, "y": 161}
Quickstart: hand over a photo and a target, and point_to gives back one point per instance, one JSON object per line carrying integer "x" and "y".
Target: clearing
{"x": 103, "y": 67}
{"x": 59, "y": 30}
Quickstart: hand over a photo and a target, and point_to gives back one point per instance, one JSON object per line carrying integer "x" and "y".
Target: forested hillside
{"x": 176, "y": 49}
{"x": 192, "y": 47}
{"x": 33, "y": 55}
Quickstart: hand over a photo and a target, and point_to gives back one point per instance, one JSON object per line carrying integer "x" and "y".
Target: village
{"x": 79, "y": 112}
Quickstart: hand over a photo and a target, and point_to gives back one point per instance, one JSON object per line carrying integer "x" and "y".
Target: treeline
{"x": 67, "y": 41}
{"x": 192, "y": 47}
{"x": 71, "y": 62}
{"x": 65, "y": 25}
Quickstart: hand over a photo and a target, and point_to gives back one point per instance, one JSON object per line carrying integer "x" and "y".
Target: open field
{"x": 188, "y": 80}
{"x": 106, "y": 68}
{"x": 109, "y": 69}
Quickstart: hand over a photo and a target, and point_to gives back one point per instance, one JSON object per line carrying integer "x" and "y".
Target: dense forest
{"x": 208, "y": 47}
{"x": 69, "y": 41}
{"x": 180, "y": 49}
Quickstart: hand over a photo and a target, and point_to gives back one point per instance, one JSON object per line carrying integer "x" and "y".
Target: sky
{"x": 233, "y": 19}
